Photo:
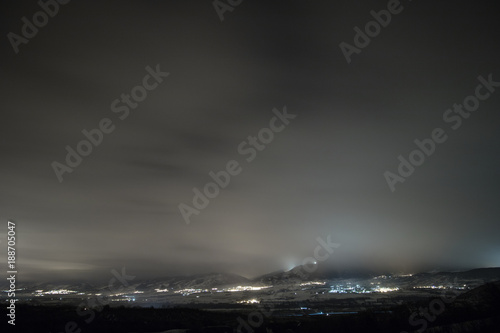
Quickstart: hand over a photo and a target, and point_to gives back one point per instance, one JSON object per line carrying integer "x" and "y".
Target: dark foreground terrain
{"x": 475, "y": 311}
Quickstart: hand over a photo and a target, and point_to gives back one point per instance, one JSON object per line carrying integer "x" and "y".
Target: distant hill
{"x": 475, "y": 277}
{"x": 471, "y": 278}
{"x": 316, "y": 272}
{"x": 489, "y": 293}
{"x": 299, "y": 274}
{"x": 200, "y": 281}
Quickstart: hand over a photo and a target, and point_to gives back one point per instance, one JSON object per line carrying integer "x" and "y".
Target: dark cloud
{"x": 322, "y": 175}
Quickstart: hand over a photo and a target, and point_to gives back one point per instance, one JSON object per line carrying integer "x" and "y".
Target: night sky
{"x": 324, "y": 172}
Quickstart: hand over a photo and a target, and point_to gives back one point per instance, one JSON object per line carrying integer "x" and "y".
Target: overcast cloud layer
{"x": 322, "y": 175}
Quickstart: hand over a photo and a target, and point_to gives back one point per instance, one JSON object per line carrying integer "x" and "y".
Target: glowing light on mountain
{"x": 290, "y": 263}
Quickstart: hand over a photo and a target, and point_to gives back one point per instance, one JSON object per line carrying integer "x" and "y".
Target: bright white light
{"x": 161, "y": 290}
{"x": 250, "y": 301}
{"x": 246, "y": 288}
{"x": 386, "y": 290}
{"x": 289, "y": 264}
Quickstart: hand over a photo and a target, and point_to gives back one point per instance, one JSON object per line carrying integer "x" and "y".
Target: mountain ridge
{"x": 296, "y": 275}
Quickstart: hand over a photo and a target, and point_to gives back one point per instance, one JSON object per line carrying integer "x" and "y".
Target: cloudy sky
{"x": 323, "y": 174}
